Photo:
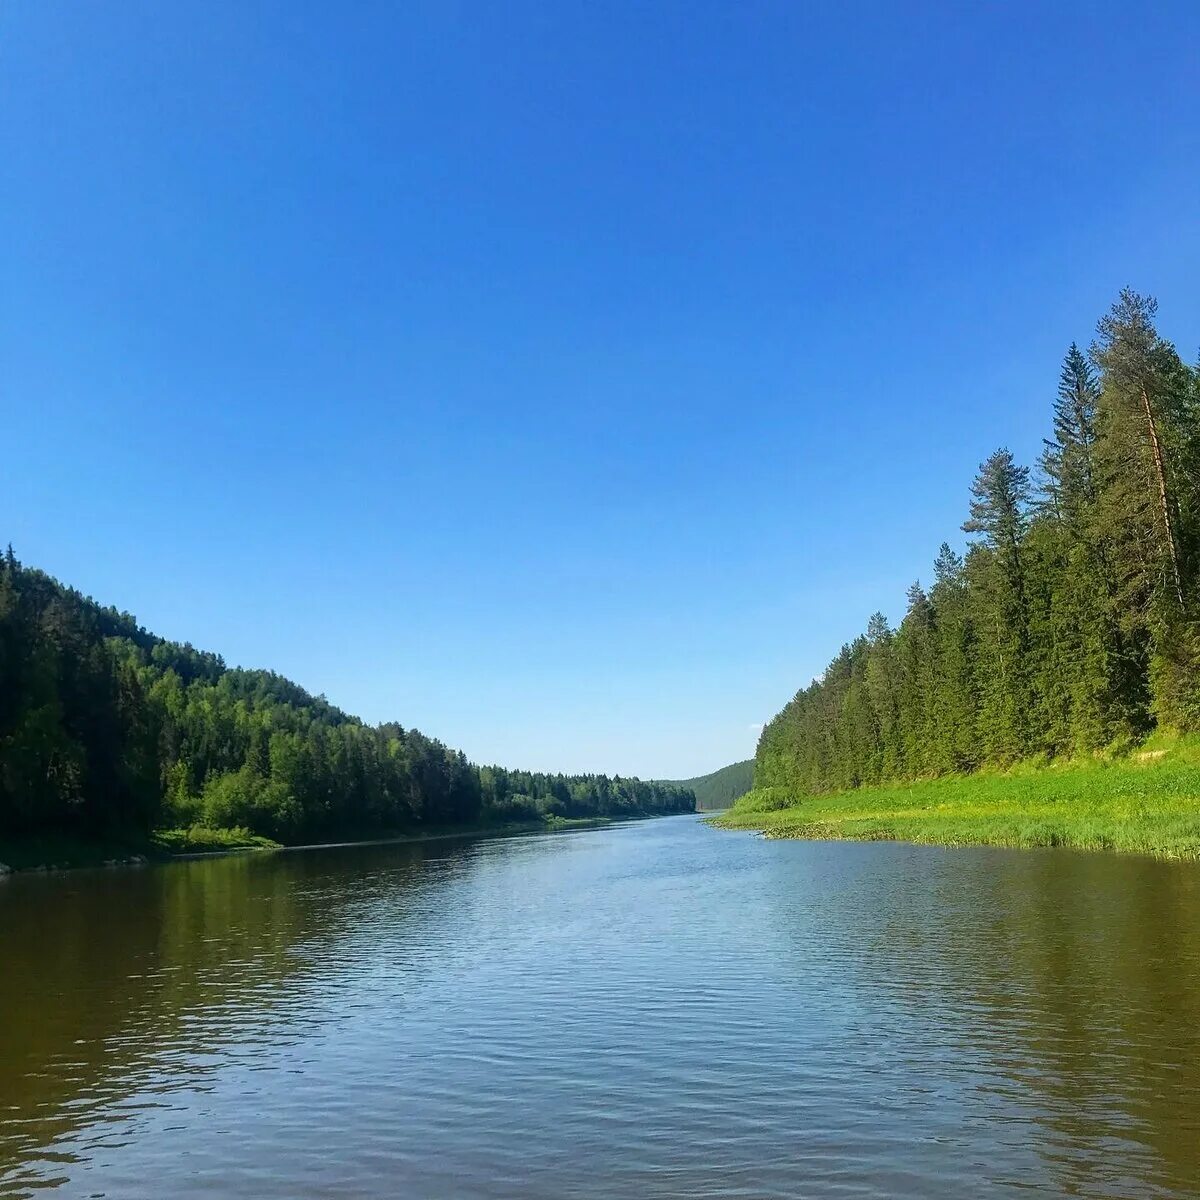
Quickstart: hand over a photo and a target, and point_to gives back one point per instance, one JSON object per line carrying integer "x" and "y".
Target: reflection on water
{"x": 654, "y": 1010}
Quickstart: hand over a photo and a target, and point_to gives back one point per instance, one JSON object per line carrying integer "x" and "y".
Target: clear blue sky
{"x": 566, "y": 380}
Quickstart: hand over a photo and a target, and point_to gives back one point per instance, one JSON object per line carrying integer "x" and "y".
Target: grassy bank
{"x": 198, "y": 839}
{"x": 56, "y": 852}
{"x": 1148, "y": 803}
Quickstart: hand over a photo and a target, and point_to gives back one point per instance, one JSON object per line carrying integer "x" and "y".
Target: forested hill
{"x": 721, "y": 788}
{"x": 1072, "y": 623}
{"x": 105, "y": 728}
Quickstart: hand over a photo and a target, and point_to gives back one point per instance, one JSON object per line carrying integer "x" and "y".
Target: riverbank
{"x": 60, "y": 852}
{"x": 53, "y": 852}
{"x": 1146, "y": 804}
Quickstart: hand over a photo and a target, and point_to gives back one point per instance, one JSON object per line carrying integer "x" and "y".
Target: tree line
{"x": 1072, "y": 623}
{"x": 105, "y": 727}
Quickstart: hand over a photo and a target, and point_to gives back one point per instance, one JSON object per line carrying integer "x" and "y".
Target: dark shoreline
{"x": 52, "y": 853}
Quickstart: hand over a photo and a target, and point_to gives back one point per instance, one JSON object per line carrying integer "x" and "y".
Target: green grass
{"x": 1148, "y": 803}
{"x": 199, "y": 839}
{"x": 555, "y": 823}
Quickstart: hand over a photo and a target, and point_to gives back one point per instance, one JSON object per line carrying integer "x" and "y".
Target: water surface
{"x": 652, "y": 1010}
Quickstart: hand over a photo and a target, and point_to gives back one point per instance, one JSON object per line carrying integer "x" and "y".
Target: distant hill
{"x": 721, "y": 788}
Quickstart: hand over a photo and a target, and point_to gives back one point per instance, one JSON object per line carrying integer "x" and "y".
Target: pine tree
{"x": 917, "y": 683}
{"x": 1146, "y": 433}
{"x": 1068, "y": 462}
{"x": 955, "y": 703}
{"x": 996, "y": 579}
{"x": 880, "y": 675}
{"x": 1140, "y": 410}
{"x": 999, "y": 508}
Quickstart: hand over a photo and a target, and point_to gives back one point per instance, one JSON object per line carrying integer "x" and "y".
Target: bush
{"x": 243, "y": 799}
{"x": 515, "y": 808}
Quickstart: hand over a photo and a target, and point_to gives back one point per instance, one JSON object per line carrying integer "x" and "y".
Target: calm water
{"x": 648, "y": 1011}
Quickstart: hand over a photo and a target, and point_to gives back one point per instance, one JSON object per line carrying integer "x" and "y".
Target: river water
{"x": 650, "y": 1010}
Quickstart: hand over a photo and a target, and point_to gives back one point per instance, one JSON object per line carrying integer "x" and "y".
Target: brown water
{"x": 654, "y": 1010}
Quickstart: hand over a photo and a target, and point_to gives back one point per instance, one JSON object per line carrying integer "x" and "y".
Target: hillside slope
{"x": 722, "y": 787}
{"x": 105, "y": 728}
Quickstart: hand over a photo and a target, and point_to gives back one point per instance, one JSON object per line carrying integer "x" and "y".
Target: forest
{"x": 1071, "y": 625}
{"x": 107, "y": 728}
{"x": 720, "y": 788}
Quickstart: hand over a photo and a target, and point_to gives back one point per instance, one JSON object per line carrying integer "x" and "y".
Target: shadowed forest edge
{"x": 112, "y": 738}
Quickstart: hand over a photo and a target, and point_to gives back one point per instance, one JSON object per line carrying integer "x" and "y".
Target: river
{"x": 649, "y": 1010}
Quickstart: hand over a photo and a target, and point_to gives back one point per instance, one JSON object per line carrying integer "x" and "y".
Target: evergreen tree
{"x": 999, "y": 509}
{"x": 1068, "y": 462}
{"x": 1141, "y": 406}
{"x": 999, "y": 603}
{"x": 1146, "y": 431}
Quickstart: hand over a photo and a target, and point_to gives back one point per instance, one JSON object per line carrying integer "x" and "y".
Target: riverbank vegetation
{"x": 111, "y": 735}
{"x": 1069, "y": 630}
{"x": 1141, "y": 805}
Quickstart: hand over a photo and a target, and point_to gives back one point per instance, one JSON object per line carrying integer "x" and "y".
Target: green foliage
{"x": 105, "y": 728}
{"x": 525, "y": 795}
{"x": 202, "y": 839}
{"x": 721, "y": 788}
{"x": 1072, "y": 624}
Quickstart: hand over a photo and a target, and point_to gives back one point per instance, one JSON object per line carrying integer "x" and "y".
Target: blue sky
{"x": 566, "y": 380}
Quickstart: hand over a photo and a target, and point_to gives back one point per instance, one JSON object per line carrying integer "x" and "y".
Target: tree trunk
{"x": 1164, "y": 504}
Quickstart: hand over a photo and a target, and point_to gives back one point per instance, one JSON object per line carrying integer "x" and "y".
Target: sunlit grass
{"x": 1147, "y": 803}
{"x": 200, "y": 839}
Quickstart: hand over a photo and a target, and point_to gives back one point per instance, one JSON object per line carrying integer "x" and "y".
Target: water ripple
{"x": 657, "y": 1010}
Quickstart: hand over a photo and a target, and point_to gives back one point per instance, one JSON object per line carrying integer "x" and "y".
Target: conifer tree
{"x": 996, "y": 578}
{"x": 999, "y": 508}
{"x": 1146, "y": 427}
{"x": 955, "y": 702}
{"x": 1141, "y": 405}
{"x": 1068, "y": 462}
